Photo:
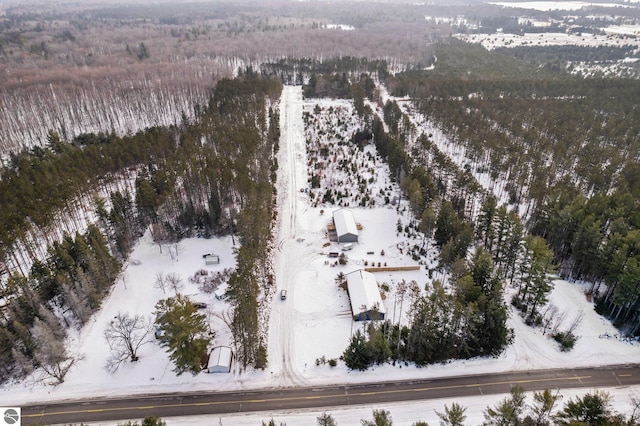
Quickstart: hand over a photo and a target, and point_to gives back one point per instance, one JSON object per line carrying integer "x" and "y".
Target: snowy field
{"x": 616, "y": 36}
{"x": 315, "y": 320}
{"x": 613, "y": 35}
{"x": 556, "y": 5}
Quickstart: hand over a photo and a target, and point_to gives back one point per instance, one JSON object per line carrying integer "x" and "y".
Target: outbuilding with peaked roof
{"x": 346, "y": 226}
{"x": 220, "y": 360}
{"x": 366, "y": 303}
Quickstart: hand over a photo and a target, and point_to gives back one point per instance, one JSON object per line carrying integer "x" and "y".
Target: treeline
{"x": 544, "y": 55}
{"x": 253, "y": 275}
{"x": 197, "y": 179}
{"x": 343, "y": 69}
{"x": 338, "y": 86}
{"x": 538, "y": 133}
{"x": 39, "y": 183}
{"x": 597, "y": 239}
{"x": 41, "y": 180}
{"x": 465, "y": 316}
{"x": 61, "y": 291}
{"x": 567, "y": 148}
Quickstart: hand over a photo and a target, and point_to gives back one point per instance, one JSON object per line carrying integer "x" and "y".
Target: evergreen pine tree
{"x": 357, "y": 356}
{"x": 184, "y": 333}
{"x": 453, "y": 416}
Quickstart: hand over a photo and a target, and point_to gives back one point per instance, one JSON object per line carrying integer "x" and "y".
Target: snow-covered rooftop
{"x": 364, "y": 293}
{"x": 345, "y": 223}
{"x": 220, "y": 359}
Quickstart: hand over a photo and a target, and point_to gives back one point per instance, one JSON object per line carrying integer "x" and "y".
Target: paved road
{"x": 188, "y": 404}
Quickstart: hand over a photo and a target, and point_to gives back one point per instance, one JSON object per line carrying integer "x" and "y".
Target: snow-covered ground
{"x": 615, "y": 36}
{"x": 314, "y": 321}
{"x": 556, "y": 5}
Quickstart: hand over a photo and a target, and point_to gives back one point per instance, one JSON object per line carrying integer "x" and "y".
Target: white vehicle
{"x": 220, "y": 294}
{"x": 283, "y": 294}
{"x": 347, "y": 247}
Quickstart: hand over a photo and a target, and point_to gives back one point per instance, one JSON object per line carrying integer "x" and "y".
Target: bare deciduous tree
{"x": 50, "y": 354}
{"x": 125, "y": 335}
{"x": 174, "y": 251}
{"x": 161, "y": 282}
{"x": 160, "y": 234}
{"x": 174, "y": 281}
{"x": 576, "y": 322}
{"x": 552, "y": 319}
{"x": 635, "y": 404}
{"x": 212, "y": 282}
{"x": 23, "y": 364}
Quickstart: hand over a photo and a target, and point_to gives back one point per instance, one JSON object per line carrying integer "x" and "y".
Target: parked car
{"x": 220, "y": 294}
{"x": 283, "y": 294}
{"x": 200, "y": 305}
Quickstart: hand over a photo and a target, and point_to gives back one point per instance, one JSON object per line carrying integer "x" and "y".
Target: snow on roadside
{"x": 318, "y": 322}
{"x": 402, "y": 413}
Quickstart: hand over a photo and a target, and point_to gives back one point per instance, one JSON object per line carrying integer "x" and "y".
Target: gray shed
{"x": 211, "y": 259}
{"x": 220, "y": 360}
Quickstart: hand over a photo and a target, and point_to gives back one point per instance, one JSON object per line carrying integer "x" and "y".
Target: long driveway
{"x": 282, "y": 348}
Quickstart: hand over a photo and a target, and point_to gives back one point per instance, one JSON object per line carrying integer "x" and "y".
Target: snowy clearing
{"x": 555, "y": 5}
{"x": 315, "y": 320}
{"x": 616, "y": 36}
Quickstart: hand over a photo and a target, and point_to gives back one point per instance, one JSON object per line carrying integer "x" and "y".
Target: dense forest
{"x": 212, "y": 176}
{"x": 483, "y": 246}
{"x": 546, "y": 134}
{"x": 121, "y": 68}
{"x": 131, "y": 136}
{"x": 481, "y": 254}
{"x": 567, "y": 148}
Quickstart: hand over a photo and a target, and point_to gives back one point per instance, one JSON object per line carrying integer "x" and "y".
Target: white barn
{"x": 220, "y": 360}
{"x": 346, "y": 227}
{"x": 364, "y": 296}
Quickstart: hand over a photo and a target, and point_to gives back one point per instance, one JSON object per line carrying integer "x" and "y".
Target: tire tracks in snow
{"x": 283, "y": 315}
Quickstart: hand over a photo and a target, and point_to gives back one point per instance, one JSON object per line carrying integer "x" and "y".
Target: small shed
{"x": 220, "y": 360}
{"x": 211, "y": 259}
{"x": 366, "y": 303}
{"x": 346, "y": 227}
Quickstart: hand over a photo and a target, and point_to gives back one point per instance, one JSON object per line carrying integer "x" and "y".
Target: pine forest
{"x": 116, "y": 121}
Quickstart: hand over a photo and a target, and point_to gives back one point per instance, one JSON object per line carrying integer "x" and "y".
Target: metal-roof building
{"x": 346, "y": 227}
{"x": 366, "y": 303}
{"x": 220, "y": 360}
